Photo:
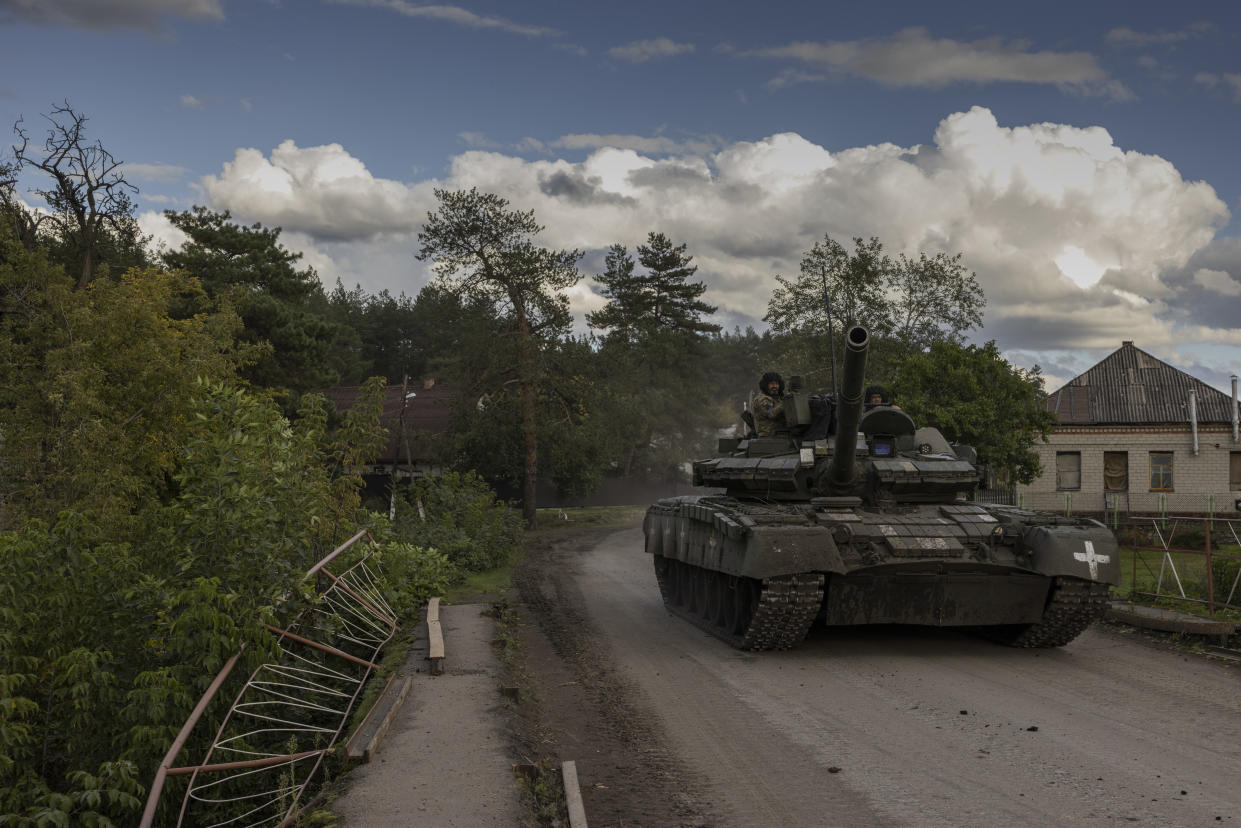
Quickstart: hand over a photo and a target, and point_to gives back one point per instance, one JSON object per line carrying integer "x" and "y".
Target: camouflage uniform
{"x": 768, "y": 414}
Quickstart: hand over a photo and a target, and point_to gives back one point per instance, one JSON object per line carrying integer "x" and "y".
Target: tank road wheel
{"x": 739, "y": 603}
{"x": 698, "y": 583}
{"x": 678, "y": 575}
{"x": 712, "y": 599}
{"x": 688, "y": 583}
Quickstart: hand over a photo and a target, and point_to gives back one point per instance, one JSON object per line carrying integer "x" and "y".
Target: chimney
{"x": 1234, "y": 408}
{"x": 1193, "y": 417}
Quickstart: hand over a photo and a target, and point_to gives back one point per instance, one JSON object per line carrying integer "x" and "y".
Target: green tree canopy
{"x": 654, "y": 391}
{"x": 975, "y": 396}
{"x": 484, "y": 250}
{"x": 94, "y": 381}
{"x": 906, "y": 304}
{"x": 661, "y": 301}
{"x": 280, "y": 306}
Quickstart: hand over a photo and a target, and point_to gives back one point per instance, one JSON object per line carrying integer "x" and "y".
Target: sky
{"x": 1082, "y": 158}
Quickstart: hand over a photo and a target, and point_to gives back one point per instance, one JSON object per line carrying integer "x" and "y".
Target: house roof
{"x": 1131, "y": 387}
{"x": 424, "y": 407}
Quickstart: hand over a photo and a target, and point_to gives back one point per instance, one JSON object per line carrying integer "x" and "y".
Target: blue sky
{"x": 1081, "y": 157}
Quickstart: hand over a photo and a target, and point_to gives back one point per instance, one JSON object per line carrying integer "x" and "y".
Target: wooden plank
{"x": 573, "y": 795}
{"x": 435, "y": 637}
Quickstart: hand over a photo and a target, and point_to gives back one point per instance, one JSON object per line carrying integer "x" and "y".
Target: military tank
{"x": 854, "y": 516}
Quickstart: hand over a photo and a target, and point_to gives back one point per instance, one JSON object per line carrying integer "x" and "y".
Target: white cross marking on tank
{"x": 1092, "y": 560}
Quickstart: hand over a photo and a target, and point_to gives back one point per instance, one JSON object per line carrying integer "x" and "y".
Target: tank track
{"x": 1074, "y": 606}
{"x": 772, "y": 614}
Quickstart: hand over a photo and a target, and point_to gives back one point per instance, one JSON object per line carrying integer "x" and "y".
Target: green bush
{"x": 412, "y": 574}
{"x": 1225, "y": 572}
{"x": 458, "y": 515}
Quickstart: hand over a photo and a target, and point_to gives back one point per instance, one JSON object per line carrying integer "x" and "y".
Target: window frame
{"x": 1128, "y": 478}
{"x": 1078, "y": 487}
{"x": 1150, "y": 476}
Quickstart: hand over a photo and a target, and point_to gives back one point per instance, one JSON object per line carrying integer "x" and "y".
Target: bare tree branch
{"x": 89, "y": 193}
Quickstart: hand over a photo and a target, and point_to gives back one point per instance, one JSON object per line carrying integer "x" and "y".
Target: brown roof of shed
{"x": 425, "y": 410}
{"x": 1131, "y": 387}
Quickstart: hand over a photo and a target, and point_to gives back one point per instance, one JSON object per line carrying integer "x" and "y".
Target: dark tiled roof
{"x": 1132, "y": 387}
{"x": 427, "y": 412}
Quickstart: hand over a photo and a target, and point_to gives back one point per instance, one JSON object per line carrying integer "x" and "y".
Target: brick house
{"x": 1138, "y": 435}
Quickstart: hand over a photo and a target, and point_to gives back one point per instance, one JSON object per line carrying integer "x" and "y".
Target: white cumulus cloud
{"x": 1077, "y": 242}
{"x": 323, "y": 191}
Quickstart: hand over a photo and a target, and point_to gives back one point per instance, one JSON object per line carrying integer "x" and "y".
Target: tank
{"x": 853, "y": 516}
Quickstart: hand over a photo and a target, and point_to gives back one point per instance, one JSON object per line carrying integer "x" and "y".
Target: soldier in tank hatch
{"x": 769, "y": 405}
{"x": 877, "y": 395}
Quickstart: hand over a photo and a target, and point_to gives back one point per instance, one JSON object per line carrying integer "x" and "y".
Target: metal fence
{"x": 1191, "y": 560}
{"x": 290, "y": 712}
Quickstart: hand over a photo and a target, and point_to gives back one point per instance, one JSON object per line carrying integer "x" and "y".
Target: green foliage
{"x": 252, "y": 494}
{"x": 661, "y": 300}
{"x": 905, "y": 304}
{"x": 106, "y": 646}
{"x": 281, "y": 307}
{"x": 412, "y": 574}
{"x": 1226, "y": 573}
{"x": 975, "y": 396}
{"x": 483, "y": 250}
{"x": 458, "y": 515}
{"x": 652, "y": 402}
{"x": 67, "y": 646}
{"x": 91, "y": 397}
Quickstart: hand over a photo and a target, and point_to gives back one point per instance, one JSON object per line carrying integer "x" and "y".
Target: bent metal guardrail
{"x": 289, "y": 714}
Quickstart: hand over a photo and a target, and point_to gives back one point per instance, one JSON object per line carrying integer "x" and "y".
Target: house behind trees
{"x": 418, "y": 417}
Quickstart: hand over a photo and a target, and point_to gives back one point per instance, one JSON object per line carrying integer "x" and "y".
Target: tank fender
{"x": 710, "y": 539}
{"x": 1087, "y": 550}
{"x": 784, "y": 550}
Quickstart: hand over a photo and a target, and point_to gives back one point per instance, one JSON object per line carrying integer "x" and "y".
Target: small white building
{"x": 1137, "y": 435}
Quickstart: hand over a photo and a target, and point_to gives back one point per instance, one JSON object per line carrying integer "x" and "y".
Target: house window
{"x": 1161, "y": 471}
{"x": 1234, "y": 471}
{"x": 1116, "y": 471}
{"x": 1068, "y": 470}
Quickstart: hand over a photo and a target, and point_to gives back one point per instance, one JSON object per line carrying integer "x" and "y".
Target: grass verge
{"x": 542, "y": 788}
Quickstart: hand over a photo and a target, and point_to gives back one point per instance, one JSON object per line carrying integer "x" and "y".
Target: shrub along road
{"x": 859, "y": 726}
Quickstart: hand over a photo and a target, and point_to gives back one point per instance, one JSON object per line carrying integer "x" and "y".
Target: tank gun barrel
{"x": 849, "y": 410}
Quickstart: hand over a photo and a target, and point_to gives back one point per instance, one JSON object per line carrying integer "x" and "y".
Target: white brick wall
{"x": 1199, "y": 483}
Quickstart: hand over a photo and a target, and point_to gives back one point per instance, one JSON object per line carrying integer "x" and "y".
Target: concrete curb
{"x": 1155, "y": 618}
{"x": 365, "y": 740}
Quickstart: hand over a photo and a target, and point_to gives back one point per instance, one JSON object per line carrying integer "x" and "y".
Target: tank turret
{"x": 851, "y": 514}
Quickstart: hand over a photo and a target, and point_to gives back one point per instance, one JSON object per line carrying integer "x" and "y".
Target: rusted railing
{"x": 1164, "y": 532}
{"x": 298, "y": 697}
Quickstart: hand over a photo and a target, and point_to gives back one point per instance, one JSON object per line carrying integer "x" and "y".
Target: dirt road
{"x": 863, "y": 726}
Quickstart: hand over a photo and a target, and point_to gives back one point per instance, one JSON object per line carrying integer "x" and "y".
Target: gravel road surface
{"x": 866, "y": 726}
